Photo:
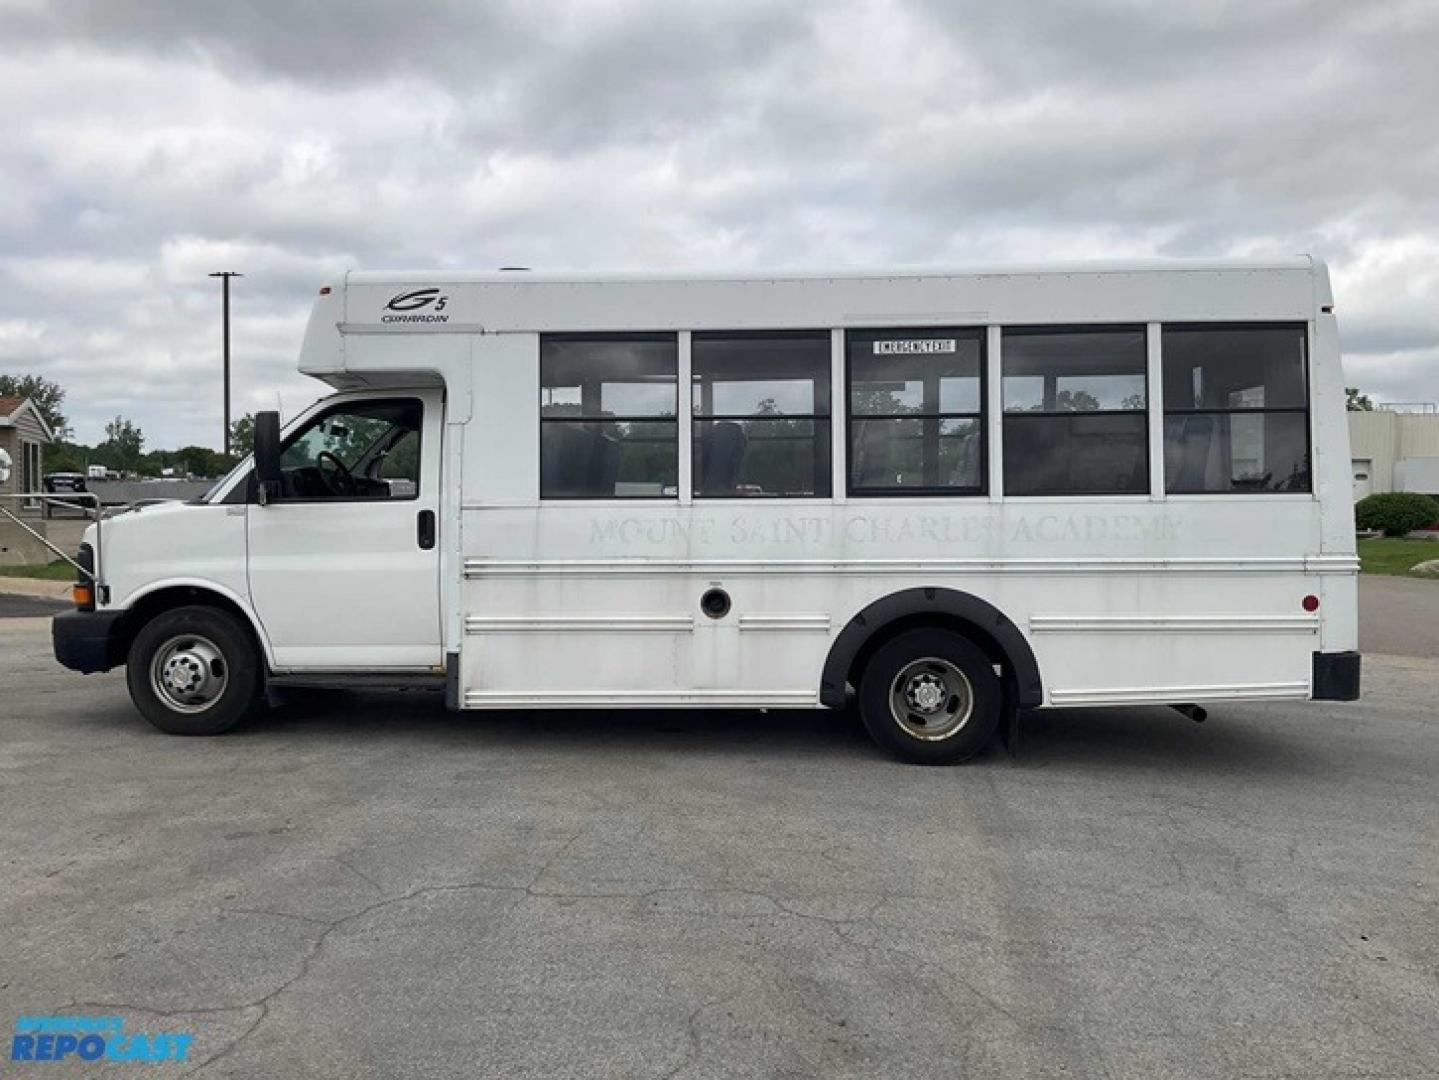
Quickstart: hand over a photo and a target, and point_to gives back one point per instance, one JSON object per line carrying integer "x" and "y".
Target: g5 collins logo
{"x": 426, "y": 304}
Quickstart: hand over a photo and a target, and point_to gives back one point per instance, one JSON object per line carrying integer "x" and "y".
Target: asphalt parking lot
{"x": 370, "y": 886}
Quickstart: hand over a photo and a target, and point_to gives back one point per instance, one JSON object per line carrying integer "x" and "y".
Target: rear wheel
{"x": 193, "y": 671}
{"x": 931, "y": 697}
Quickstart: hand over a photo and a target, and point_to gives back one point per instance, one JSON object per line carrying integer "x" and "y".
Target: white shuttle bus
{"x": 954, "y": 495}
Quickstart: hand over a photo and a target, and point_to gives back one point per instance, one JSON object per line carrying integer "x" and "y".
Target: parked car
{"x": 61, "y": 483}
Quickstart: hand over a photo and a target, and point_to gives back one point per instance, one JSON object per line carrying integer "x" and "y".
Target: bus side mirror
{"x": 267, "y": 456}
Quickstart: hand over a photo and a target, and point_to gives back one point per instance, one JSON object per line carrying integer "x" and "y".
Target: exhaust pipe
{"x": 1197, "y": 713}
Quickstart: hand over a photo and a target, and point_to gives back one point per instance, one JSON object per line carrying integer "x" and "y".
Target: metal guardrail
{"x": 95, "y": 511}
{"x": 89, "y": 504}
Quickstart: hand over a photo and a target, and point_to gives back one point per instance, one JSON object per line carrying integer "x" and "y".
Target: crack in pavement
{"x": 359, "y": 873}
{"x": 530, "y": 889}
{"x": 693, "y": 1035}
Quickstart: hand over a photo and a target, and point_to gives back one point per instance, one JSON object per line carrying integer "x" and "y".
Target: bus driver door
{"x": 343, "y": 557}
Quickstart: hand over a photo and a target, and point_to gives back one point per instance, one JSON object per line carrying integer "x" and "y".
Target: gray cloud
{"x": 151, "y": 143}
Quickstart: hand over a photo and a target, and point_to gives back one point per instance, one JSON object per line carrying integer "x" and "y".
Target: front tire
{"x": 930, "y": 697}
{"x": 193, "y": 671}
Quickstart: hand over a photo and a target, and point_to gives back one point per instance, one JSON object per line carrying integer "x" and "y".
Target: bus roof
{"x": 453, "y": 302}
{"x": 1302, "y": 263}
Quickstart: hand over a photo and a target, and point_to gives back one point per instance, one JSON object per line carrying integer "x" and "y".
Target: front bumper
{"x": 1336, "y": 676}
{"x": 88, "y": 641}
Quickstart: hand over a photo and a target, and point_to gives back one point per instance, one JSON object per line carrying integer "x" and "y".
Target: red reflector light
{"x": 1311, "y": 603}
{"x": 324, "y": 290}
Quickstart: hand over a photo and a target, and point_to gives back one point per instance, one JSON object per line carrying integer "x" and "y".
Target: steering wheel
{"x": 336, "y": 476}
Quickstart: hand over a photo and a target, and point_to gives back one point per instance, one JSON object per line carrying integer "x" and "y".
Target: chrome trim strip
{"x": 603, "y": 624}
{"x": 1159, "y": 695}
{"x": 409, "y": 328}
{"x": 784, "y": 622}
{"x": 601, "y": 698}
{"x": 1231, "y": 624}
{"x": 480, "y": 567}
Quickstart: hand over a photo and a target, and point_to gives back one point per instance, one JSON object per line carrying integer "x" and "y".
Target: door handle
{"x": 425, "y": 529}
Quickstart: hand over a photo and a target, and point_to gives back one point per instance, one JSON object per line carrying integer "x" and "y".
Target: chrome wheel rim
{"x": 931, "y": 699}
{"x": 189, "y": 673}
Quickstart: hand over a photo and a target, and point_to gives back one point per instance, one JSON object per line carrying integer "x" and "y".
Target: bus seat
{"x": 1196, "y": 438}
{"x": 874, "y": 466}
{"x": 605, "y": 463}
{"x": 581, "y": 460}
{"x": 724, "y": 448}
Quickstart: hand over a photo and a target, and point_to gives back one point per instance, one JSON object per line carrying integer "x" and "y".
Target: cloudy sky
{"x": 148, "y": 143}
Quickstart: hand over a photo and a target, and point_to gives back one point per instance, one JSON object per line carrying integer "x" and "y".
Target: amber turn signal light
{"x": 83, "y": 595}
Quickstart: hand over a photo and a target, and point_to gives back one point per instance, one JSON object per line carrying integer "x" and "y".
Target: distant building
{"x": 1394, "y": 451}
{"x": 24, "y": 434}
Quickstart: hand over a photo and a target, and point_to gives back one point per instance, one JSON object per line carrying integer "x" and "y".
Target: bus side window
{"x": 1236, "y": 411}
{"x": 916, "y": 403}
{"x": 1075, "y": 420}
{"x": 760, "y": 407}
{"x": 608, "y": 428}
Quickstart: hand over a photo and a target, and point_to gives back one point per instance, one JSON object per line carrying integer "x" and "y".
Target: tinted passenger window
{"x": 1074, "y": 411}
{"x": 608, "y": 425}
{"x": 1235, "y": 409}
{"x": 761, "y": 414}
{"x": 915, "y": 411}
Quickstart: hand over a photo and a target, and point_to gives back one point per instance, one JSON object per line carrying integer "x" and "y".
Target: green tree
{"x": 871, "y": 401}
{"x": 46, "y": 395}
{"x": 1070, "y": 401}
{"x": 1356, "y": 401}
{"x": 1076, "y": 401}
{"x": 67, "y": 457}
{"x": 202, "y": 461}
{"x": 124, "y": 444}
{"x": 242, "y": 435}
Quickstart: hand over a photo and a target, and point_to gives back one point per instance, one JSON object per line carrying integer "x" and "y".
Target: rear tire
{"x": 930, "y": 697}
{"x": 194, "y": 671}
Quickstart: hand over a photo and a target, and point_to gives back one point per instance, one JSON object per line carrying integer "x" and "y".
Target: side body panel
{"x": 170, "y": 544}
{"x": 1177, "y": 602}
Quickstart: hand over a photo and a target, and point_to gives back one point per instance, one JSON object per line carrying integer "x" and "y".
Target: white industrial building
{"x": 1394, "y": 450}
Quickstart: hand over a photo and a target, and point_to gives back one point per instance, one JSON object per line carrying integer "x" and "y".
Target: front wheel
{"x": 930, "y": 697}
{"x": 193, "y": 671}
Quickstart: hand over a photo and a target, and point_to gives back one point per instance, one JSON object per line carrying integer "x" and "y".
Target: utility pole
{"x": 225, "y": 276}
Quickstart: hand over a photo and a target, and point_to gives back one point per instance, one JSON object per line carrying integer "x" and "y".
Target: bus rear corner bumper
{"x": 1336, "y": 676}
